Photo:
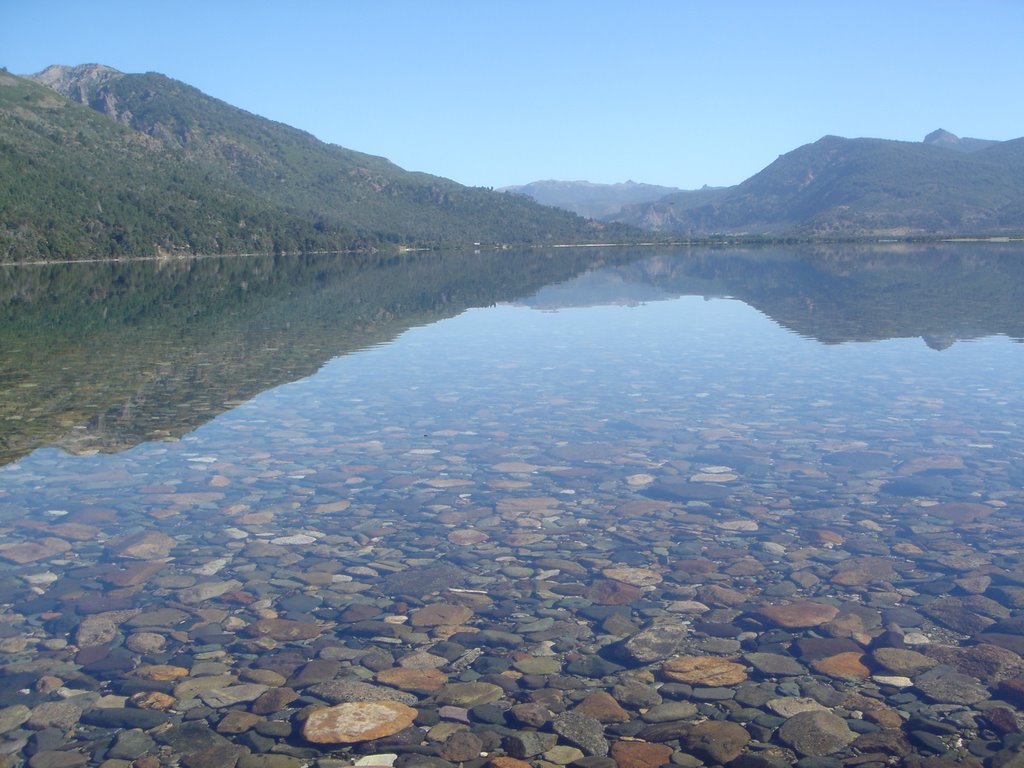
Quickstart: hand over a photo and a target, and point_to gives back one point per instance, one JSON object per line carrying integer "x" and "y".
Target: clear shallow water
{"x": 606, "y": 430}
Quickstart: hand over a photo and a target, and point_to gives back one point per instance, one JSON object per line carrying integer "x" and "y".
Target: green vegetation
{"x": 166, "y": 168}
{"x": 840, "y": 188}
{"x": 77, "y": 185}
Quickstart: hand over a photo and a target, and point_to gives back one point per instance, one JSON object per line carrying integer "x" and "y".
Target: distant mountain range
{"x": 98, "y": 163}
{"x": 843, "y": 188}
{"x": 595, "y": 201}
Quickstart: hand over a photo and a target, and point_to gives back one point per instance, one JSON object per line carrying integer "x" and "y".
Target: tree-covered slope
{"x": 77, "y": 185}
{"x": 293, "y": 172}
{"x": 97, "y": 163}
{"x": 840, "y": 187}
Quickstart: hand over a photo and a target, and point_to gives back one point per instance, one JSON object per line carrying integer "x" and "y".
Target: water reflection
{"x": 105, "y": 356}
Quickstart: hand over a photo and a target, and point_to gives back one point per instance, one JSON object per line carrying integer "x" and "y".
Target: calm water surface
{"x": 603, "y": 461}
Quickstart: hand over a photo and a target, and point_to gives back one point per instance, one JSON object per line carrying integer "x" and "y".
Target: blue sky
{"x": 497, "y": 92}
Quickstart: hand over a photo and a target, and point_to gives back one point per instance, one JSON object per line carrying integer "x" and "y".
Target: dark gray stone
{"x": 125, "y": 718}
{"x": 653, "y": 644}
{"x": 526, "y": 744}
{"x": 191, "y": 738}
{"x": 774, "y": 664}
{"x": 423, "y": 581}
{"x": 582, "y": 731}
{"x": 131, "y": 744}
{"x": 816, "y": 733}
{"x": 952, "y": 688}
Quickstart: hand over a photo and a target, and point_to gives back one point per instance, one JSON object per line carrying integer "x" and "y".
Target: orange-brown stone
{"x": 131, "y": 574}
{"x": 23, "y": 552}
{"x": 152, "y": 700}
{"x": 636, "y": 577}
{"x": 886, "y": 718}
{"x": 503, "y": 761}
{"x": 144, "y": 545}
{"x": 844, "y": 666}
{"x": 357, "y": 721}
{"x": 440, "y": 614}
{"x": 801, "y": 615}
{"x": 414, "y": 680}
{"x": 602, "y": 706}
{"x": 703, "y": 670}
{"x": 467, "y": 537}
{"x": 609, "y": 592}
{"x": 159, "y": 672}
{"x": 640, "y": 754}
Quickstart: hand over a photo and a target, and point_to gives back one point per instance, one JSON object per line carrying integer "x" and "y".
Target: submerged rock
{"x": 800, "y": 615}
{"x": 357, "y": 721}
{"x": 655, "y": 643}
{"x": 703, "y": 670}
{"x": 816, "y": 733}
{"x": 719, "y": 741}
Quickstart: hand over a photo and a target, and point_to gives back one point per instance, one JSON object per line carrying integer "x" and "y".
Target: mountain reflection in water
{"x": 105, "y": 356}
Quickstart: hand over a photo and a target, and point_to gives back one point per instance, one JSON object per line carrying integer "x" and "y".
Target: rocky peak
{"x": 76, "y": 82}
{"x": 941, "y": 137}
{"x": 87, "y": 84}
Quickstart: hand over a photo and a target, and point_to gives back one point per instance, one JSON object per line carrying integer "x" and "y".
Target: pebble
{"x": 655, "y": 643}
{"x": 670, "y": 711}
{"x": 219, "y": 698}
{"x": 582, "y": 731}
{"x": 952, "y": 688}
{"x": 843, "y": 666}
{"x": 357, "y": 721}
{"x": 794, "y": 705}
{"x": 719, "y": 741}
{"x": 799, "y": 615}
{"x": 703, "y": 671}
{"x": 816, "y": 733}
{"x": 638, "y": 754}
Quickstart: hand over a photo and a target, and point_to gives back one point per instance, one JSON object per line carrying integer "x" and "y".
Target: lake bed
{"x": 614, "y": 509}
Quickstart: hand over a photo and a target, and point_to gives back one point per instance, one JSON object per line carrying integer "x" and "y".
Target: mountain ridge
{"x": 865, "y": 187}
{"x": 104, "y": 164}
{"x": 109, "y": 164}
{"x": 590, "y": 199}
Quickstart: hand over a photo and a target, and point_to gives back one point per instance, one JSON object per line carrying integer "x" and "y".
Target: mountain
{"x": 103, "y": 163}
{"x": 595, "y": 201}
{"x": 666, "y": 213}
{"x": 839, "y": 187}
{"x": 943, "y": 138}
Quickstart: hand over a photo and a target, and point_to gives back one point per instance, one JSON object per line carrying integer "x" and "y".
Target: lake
{"x": 600, "y": 507}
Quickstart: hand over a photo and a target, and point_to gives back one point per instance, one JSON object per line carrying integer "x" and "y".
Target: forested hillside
{"x": 855, "y": 188}
{"x": 98, "y": 163}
